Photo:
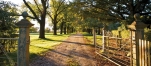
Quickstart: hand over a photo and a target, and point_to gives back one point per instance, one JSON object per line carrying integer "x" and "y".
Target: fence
{"x": 8, "y": 51}
{"x": 144, "y": 53}
{"x": 22, "y": 51}
{"x": 115, "y": 48}
{"x": 122, "y": 51}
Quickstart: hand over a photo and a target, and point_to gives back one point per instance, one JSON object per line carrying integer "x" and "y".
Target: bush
{"x": 33, "y": 29}
{"x": 124, "y": 33}
{"x": 147, "y": 33}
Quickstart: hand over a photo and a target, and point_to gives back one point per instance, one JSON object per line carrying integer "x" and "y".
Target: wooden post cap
{"x": 137, "y": 24}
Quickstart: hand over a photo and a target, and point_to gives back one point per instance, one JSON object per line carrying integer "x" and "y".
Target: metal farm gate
{"x": 122, "y": 51}
{"x": 115, "y": 48}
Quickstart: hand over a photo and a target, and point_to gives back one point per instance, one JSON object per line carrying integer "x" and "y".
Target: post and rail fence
{"x": 144, "y": 53}
{"x": 132, "y": 51}
{"x": 8, "y": 48}
{"x": 114, "y": 48}
{"x": 22, "y": 50}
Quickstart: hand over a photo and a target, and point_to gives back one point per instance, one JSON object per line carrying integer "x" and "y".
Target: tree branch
{"x": 38, "y": 6}
{"x": 60, "y": 4}
{"x": 50, "y": 16}
{"x": 36, "y": 17}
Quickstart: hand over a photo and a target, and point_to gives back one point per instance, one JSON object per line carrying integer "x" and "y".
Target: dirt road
{"x": 72, "y": 52}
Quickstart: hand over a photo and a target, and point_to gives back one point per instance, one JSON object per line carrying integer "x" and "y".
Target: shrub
{"x": 124, "y": 33}
{"x": 147, "y": 33}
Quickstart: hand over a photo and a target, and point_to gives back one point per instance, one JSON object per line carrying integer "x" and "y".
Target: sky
{"x": 16, "y": 1}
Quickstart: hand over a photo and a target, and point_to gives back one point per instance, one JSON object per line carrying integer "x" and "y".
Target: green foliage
{"x": 125, "y": 33}
{"x": 47, "y": 30}
{"x": 92, "y": 22}
{"x": 39, "y": 10}
{"x": 33, "y": 30}
{"x": 7, "y": 20}
{"x": 89, "y": 14}
{"x": 90, "y": 38}
{"x": 147, "y": 34}
{"x": 146, "y": 19}
{"x": 58, "y": 13}
{"x": 114, "y": 26}
{"x": 42, "y": 45}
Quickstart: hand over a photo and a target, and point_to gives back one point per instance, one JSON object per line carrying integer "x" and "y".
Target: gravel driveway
{"x": 72, "y": 52}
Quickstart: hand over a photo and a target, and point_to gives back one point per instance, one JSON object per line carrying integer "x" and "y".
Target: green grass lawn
{"x": 37, "y": 46}
{"x": 43, "y": 45}
{"x": 40, "y": 46}
{"x": 91, "y": 39}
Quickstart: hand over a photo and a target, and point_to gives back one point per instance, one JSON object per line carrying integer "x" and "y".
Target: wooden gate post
{"x": 119, "y": 38}
{"x": 94, "y": 36}
{"x": 138, "y": 26}
{"x": 104, "y": 37}
{"x": 24, "y": 41}
{"x": 103, "y": 40}
{"x": 139, "y": 34}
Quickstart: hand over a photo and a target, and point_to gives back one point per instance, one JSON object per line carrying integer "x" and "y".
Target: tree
{"x": 41, "y": 15}
{"x": 33, "y": 29}
{"x": 113, "y": 11}
{"x": 123, "y": 9}
{"x": 67, "y": 24}
{"x": 90, "y": 16}
{"x": 56, "y": 8}
{"x": 119, "y": 9}
{"x": 7, "y": 21}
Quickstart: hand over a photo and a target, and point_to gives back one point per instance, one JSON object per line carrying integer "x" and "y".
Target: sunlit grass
{"x": 39, "y": 46}
{"x": 91, "y": 38}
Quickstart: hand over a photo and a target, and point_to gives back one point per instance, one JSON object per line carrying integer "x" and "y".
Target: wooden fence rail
{"x": 144, "y": 53}
{"x": 113, "y": 46}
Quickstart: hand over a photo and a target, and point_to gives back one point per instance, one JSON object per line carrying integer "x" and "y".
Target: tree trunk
{"x": 61, "y": 28}
{"x": 72, "y": 30}
{"x": 42, "y": 29}
{"x": 68, "y": 29}
{"x": 99, "y": 31}
{"x": 55, "y": 27}
{"x": 65, "y": 32}
{"x": 89, "y": 31}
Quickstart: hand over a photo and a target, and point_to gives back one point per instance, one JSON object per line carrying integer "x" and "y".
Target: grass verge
{"x": 90, "y": 38}
{"x": 37, "y": 46}
{"x": 40, "y": 46}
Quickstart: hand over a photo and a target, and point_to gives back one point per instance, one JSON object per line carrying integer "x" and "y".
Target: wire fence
{"x": 8, "y": 51}
{"x": 114, "y": 48}
{"x": 122, "y": 51}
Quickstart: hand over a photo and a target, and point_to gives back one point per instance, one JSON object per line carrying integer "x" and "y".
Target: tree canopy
{"x": 7, "y": 20}
{"x": 39, "y": 12}
{"x": 87, "y": 13}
